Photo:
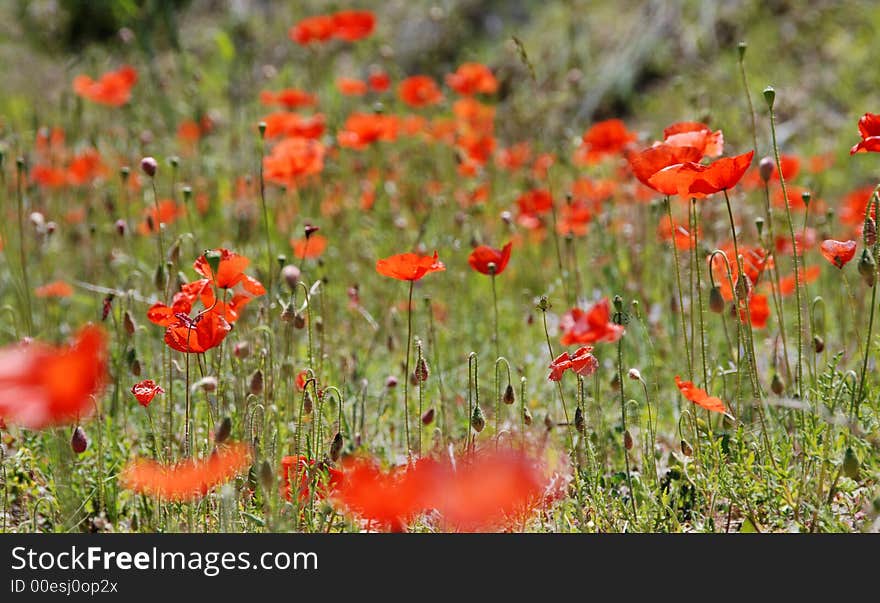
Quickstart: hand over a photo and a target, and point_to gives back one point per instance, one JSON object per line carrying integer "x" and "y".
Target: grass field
{"x": 464, "y": 266}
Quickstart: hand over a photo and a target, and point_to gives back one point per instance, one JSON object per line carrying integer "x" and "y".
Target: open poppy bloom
{"x": 590, "y": 326}
{"x": 85, "y": 167}
{"x": 353, "y": 25}
{"x": 807, "y": 274}
{"x": 581, "y": 362}
{"x": 289, "y": 98}
{"x": 759, "y": 311}
{"x": 285, "y": 123}
{"x": 197, "y": 335}
{"x": 54, "y": 289}
{"x": 488, "y": 260}
{"x": 697, "y": 180}
{"x": 699, "y": 396}
{"x": 43, "y": 386}
{"x": 409, "y": 266}
{"x": 309, "y": 247}
{"x": 472, "y": 78}
{"x": 318, "y": 28}
{"x": 293, "y": 160}
{"x": 363, "y": 129}
{"x": 301, "y": 466}
{"x": 145, "y": 391}
{"x": 167, "y": 212}
{"x": 603, "y": 139}
{"x": 838, "y": 253}
{"x": 190, "y": 479}
{"x": 419, "y": 91}
{"x": 230, "y": 271}
{"x": 695, "y": 135}
{"x": 378, "y": 80}
{"x": 869, "y": 130}
{"x": 351, "y": 87}
{"x": 112, "y": 89}
{"x": 645, "y": 164}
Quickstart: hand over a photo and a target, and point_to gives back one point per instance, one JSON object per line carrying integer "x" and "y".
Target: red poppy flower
{"x": 167, "y": 213}
{"x": 43, "y": 386}
{"x": 808, "y": 274}
{"x": 602, "y": 139}
{"x": 190, "y": 479}
{"x": 378, "y": 80}
{"x": 409, "y": 266}
{"x": 230, "y": 272}
{"x": 575, "y": 218}
{"x": 590, "y": 326}
{"x": 351, "y": 87}
{"x": 697, "y": 180}
{"x": 838, "y": 253}
{"x": 353, "y": 25}
{"x": 869, "y": 130}
{"x": 289, "y": 98}
{"x": 292, "y": 160}
{"x": 419, "y": 91}
{"x": 197, "y": 335}
{"x": 145, "y": 391}
{"x": 696, "y": 135}
{"x": 472, "y": 78}
{"x": 514, "y": 157}
{"x": 48, "y": 176}
{"x": 284, "y": 123}
{"x": 113, "y": 89}
{"x": 677, "y": 233}
{"x": 54, "y": 289}
{"x": 581, "y": 362}
{"x": 309, "y": 247}
{"x": 291, "y": 466}
{"x": 85, "y": 168}
{"x": 363, "y": 129}
{"x": 645, "y": 164}
{"x": 759, "y": 311}
{"x": 488, "y": 260}
{"x": 318, "y": 28}
{"x": 699, "y": 396}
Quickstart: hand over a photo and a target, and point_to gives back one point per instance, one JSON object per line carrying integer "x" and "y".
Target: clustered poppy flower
{"x": 112, "y": 89}
{"x": 293, "y": 125}
{"x": 348, "y": 25}
{"x": 409, "y": 266}
{"x": 590, "y": 326}
{"x": 360, "y": 130}
{"x": 699, "y": 396}
{"x": 582, "y": 362}
{"x": 488, "y": 260}
{"x": 293, "y": 160}
{"x": 145, "y": 391}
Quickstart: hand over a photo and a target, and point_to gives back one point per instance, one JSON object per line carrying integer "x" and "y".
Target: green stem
{"x": 406, "y": 367}
{"x": 680, "y": 294}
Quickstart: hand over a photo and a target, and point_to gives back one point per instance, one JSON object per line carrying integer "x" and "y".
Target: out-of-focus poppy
{"x": 699, "y": 396}
{"x": 86, "y": 167}
{"x": 285, "y": 123}
{"x": 514, "y": 157}
{"x": 533, "y": 204}
{"x": 869, "y": 130}
{"x": 309, "y": 247}
{"x": 697, "y": 180}
{"x": 677, "y": 233}
{"x": 318, "y": 28}
{"x": 289, "y": 98}
{"x": 409, "y": 266}
{"x": 808, "y": 274}
{"x": 363, "y": 129}
{"x": 190, "y": 479}
{"x": 602, "y": 139}
{"x": 353, "y": 25}
{"x": 351, "y": 87}
{"x": 145, "y": 391}
{"x": 582, "y": 362}
{"x": 112, "y": 89}
{"x": 302, "y": 466}
{"x": 695, "y": 135}
{"x": 196, "y": 335}
{"x": 54, "y": 289}
{"x": 575, "y": 218}
{"x": 292, "y": 160}
{"x": 167, "y": 212}
{"x": 419, "y": 91}
{"x": 648, "y": 162}
{"x": 590, "y": 326}
{"x": 854, "y": 205}
{"x": 378, "y": 80}
{"x": 839, "y": 253}
{"x": 43, "y": 386}
{"x": 472, "y": 78}
{"x": 48, "y": 176}
{"x": 759, "y": 311}
{"x": 804, "y": 241}
{"x": 488, "y": 260}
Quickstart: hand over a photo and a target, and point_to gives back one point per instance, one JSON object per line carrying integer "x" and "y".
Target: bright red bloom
{"x": 190, "y": 479}
{"x": 488, "y": 260}
{"x": 292, "y": 160}
{"x": 302, "y": 467}
{"x": 697, "y": 180}
{"x": 353, "y": 25}
{"x": 351, "y": 87}
{"x": 419, "y": 91}
{"x": 699, "y": 396}
{"x": 43, "y": 386}
{"x": 695, "y": 135}
{"x": 590, "y": 326}
{"x": 602, "y": 139}
{"x": 581, "y": 362}
{"x": 319, "y": 28}
{"x": 409, "y": 266}
{"x": 48, "y": 176}
{"x": 645, "y": 164}
{"x": 363, "y": 129}
{"x": 379, "y": 80}
{"x": 289, "y": 98}
{"x": 54, "y": 289}
{"x": 838, "y": 253}
{"x": 197, "y": 335}
{"x": 85, "y": 167}
{"x": 284, "y": 123}
{"x": 309, "y": 247}
{"x": 472, "y": 78}
{"x": 230, "y": 272}
{"x": 869, "y": 130}
{"x": 514, "y": 157}
{"x": 759, "y": 311}
{"x": 145, "y": 391}
{"x": 113, "y": 89}
{"x": 167, "y": 213}
{"x": 807, "y": 275}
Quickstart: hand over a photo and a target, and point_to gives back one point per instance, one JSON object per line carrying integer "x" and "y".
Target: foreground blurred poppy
{"x": 189, "y": 479}
{"x": 112, "y": 89}
{"x": 869, "y": 130}
{"x": 807, "y": 274}
{"x": 838, "y": 253}
{"x": 419, "y": 91}
{"x": 196, "y": 335}
{"x": 409, "y": 266}
{"x": 699, "y": 396}
{"x": 291, "y": 466}
{"x": 590, "y": 326}
{"x": 54, "y": 289}
{"x": 145, "y": 391}
{"x": 285, "y": 123}
{"x": 581, "y": 362}
{"x": 43, "y": 386}
{"x": 488, "y": 260}
{"x": 472, "y": 78}
{"x": 697, "y": 180}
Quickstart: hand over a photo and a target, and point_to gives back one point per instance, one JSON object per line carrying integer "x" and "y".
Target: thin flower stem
{"x": 875, "y": 200}
{"x": 22, "y": 254}
{"x": 495, "y": 307}
{"x": 632, "y": 495}
{"x": 559, "y": 387}
{"x": 406, "y": 367}
{"x": 697, "y": 262}
{"x": 680, "y": 294}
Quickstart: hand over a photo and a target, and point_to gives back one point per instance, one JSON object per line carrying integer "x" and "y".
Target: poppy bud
{"x": 627, "y": 440}
{"x": 413, "y": 378}
{"x": 868, "y": 268}
{"x": 765, "y": 168}
{"x": 291, "y": 275}
{"x": 319, "y": 324}
{"x": 187, "y": 194}
{"x": 121, "y": 227}
{"x": 478, "y": 422}
{"x": 759, "y": 225}
{"x": 128, "y": 323}
{"x": 213, "y": 258}
{"x": 267, "y": 477}
{"x": 135, "y": 367}
{"x": 307, "y": 403}
{"x": 769, "y": 96}
{"x": 579, "y": 423}
{"x": 428, "y": 417}
{"x": 287, "y": 313}
{"x": 124, "y": 173}
{"x": 686, "y": 448}
{"x": 256, "y": 385}
{"x": 615, "y": 382}
{"x": 208, "y": 384}
{"x": 850, "y": 464}
{"x": 869, "y": 232}
{"x": 743, "y": 287}
{"x": 527, "y": 415}
{"x": 548, "y": 422}
{"x": 543, "y": 304}
{"x": 716, "y": 300}
{"x": 78, "y": 441}
{"x": 311, "y": 229}
{"x": 159, "y": 277}
{"x": 224, "y": 430}
{"x": 805, "y": 197}
{"x": 509, "y": 397}
{"x": 174, "y": 252}
{"x": 818, "y": 344}
{"x": 336, "y": 447}
{"x": 507, "y": 217}
{"x": 741, "y": 50}
{"x": 149, "y": 166}
{"x": 776, "y": 384}
{"x": 242, "y": 349}
{"x": 635, "y": 375}
{"x": 391, "y": 382}
{"x": 299, "y": 321}
{"x": 422, "y": 370}
{"x": 262, "y": 128}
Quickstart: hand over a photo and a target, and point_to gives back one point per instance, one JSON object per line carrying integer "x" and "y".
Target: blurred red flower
{"x": 472, "y": 78}
{"x": 699, "y": 396}
{"x": 353, "y": 25}
{"x": 318, "y": 28}
{"x": 590, "y": 326}
{"x": 581, "y": 362}
{"x": 602, "y": 139}
{"x": 409, "y": 266}
{"x": 54, "y": 289}
{"x": 112, "y": 89}
{"x": 419, "y": 91}
{"x": 302, "y": 466}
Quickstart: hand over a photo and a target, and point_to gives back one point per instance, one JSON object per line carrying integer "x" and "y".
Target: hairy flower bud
{"x": 79, "y": 442}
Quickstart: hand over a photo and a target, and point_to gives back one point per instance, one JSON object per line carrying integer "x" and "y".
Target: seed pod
{"x": 615, "y": 382}
{"x": 627, "y": 440}
{"x": 527, "y": 416}
{"x": 266, "y": 476}
{"x": 868, "y": 268}
{"x": 79, "y": 442}
{"x": 128, "y": 323}
{"x": 478, "y": 422}
{"x": 223, "y": 431}
{"x": 850, "y": 464}
{"x": 291, "y": 275}
{"x": 776, "y": 384}
{"x": 336, "y": 447}
{"x": 428, "y": 417}
{"x": 136, "y": 367}
{"x": 579, "y": 423}
{"x": 299, "y": 321}
{"x": 159, "y": 277}
{"x": 759, "y": 225}
{"x": 256, "y": 384}
{"x": 422, "y": 370}
{"x": 686, "y": 448}
{"x": 509, "y": 397}
{"x": 307, "y": 402}
{"x": 743, "y": 287}
{"x": 716, "y": 300}
{"x": 818, "y": 344}
{"x": 149, "y": 166}
{"x": 765, "y": 168}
